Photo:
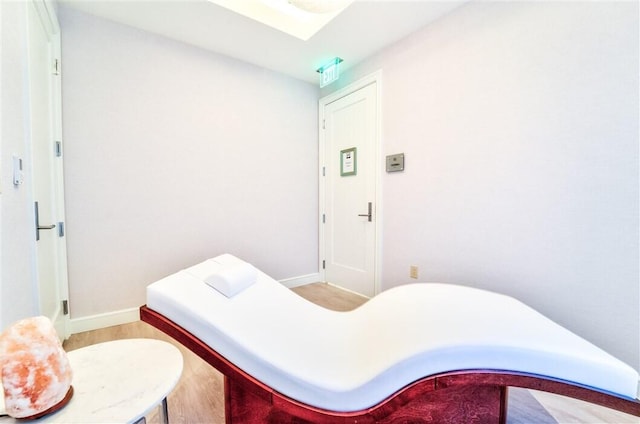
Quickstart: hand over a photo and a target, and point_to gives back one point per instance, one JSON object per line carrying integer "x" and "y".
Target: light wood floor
{"x": 198, "y": 396}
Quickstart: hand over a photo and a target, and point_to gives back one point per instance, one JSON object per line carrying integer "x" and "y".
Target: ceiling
{"x": 360, "y": 30}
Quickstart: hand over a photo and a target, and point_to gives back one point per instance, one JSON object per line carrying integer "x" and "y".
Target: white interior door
{"x": 349, "y": 141}
{"x": 45, "y": 131}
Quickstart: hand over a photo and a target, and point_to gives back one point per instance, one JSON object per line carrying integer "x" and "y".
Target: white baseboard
{"x": 301, "y": 281}
{"x": 125, "y": 316}
{"x": 108, "y": 319}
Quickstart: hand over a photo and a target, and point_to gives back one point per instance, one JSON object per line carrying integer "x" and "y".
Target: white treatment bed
{"x": 421, "y": 349}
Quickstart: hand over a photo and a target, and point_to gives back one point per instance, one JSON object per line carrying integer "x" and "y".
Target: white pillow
{"x": 230, "y": 279}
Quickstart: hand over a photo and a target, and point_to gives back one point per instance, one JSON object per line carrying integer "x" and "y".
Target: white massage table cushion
{"x": 348, "y": 361}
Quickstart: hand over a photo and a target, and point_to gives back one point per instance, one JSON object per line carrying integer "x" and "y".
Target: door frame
{"x": 45, "y": 11}
{"x": 374, "y": 78}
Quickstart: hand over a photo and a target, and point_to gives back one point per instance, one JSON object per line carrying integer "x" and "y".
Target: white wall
{"x": 519, "y": 122}
{"x": 18, "y": 297}
{"x": 174, "y": 155}
{"x": 1, "y": 176}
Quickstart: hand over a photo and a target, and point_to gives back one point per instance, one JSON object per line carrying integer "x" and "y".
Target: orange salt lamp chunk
{"x": 35, "y": 371}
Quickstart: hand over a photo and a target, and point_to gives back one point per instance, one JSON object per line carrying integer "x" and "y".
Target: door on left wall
{"x": 45, "y": 139}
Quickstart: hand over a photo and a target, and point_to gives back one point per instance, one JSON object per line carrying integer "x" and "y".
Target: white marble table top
{"x": 117, "y": 382}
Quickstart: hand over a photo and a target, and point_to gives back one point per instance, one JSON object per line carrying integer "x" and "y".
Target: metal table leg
{"x": 164, "y": 412}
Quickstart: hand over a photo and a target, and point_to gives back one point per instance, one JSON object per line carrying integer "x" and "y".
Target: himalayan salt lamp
{"x": 35, "y": 371}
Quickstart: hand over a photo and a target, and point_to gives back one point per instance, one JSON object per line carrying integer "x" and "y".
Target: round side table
{"x": 118, "y": 382}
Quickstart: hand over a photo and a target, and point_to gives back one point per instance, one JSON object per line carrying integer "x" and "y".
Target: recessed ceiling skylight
{"x": 299, "y": 18}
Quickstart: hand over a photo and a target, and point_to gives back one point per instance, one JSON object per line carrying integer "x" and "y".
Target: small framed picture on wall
{"x": 348, "y": 162}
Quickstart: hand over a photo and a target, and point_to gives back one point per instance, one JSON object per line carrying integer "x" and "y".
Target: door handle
{"x": 368, "y": 214}
{"x": 38, "y": 226}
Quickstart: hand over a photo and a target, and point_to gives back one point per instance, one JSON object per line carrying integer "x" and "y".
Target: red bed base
{"x": 474, "y": 396}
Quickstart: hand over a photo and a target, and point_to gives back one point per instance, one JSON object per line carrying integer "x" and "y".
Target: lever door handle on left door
{"x": 38, "y": 226}
{"x": 368, "y": 214}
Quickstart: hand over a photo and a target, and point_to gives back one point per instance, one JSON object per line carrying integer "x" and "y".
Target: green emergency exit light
{"x": 329, "y": 72}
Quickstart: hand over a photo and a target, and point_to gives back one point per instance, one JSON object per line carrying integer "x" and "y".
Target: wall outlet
{"x": 413, "y": 271}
